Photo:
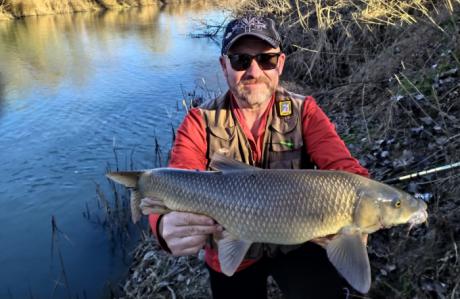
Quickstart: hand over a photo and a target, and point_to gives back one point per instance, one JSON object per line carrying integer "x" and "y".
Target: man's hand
{"x": 186, "y": 233}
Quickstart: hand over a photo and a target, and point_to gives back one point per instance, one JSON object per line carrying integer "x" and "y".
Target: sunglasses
{"x": 241, "y": 62}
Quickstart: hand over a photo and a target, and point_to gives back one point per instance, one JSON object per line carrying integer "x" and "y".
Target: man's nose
{"x": 254, "y": 69}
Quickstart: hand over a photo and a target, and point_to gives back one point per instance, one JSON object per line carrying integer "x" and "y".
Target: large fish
{"x": 280, "y": 207}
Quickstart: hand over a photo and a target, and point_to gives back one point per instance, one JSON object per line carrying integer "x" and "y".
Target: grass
{"x": 62, "y": 280}
{"x": 157, "y": 274}
{"x": 328, "y": 40}
{"x": 21, "y": 8}
{"x": 379, "y": 70}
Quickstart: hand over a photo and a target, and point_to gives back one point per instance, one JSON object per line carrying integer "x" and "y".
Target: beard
{"x": 253, "y": 97}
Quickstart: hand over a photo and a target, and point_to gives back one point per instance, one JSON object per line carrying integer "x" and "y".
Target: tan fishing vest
{"x": 283, "y": 145}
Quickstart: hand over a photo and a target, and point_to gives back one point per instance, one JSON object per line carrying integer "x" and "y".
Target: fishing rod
{"x": 422, "y": 173}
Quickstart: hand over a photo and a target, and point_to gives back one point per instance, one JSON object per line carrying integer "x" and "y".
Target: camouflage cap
{"x": 261, "y": 27}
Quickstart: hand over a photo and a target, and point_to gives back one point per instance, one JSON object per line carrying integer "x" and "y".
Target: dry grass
{"x": 21, "y": 8}
{"x": 387, "y": 73}
{"x": 329, "y": 40}
{"x": 10, "y": 9}
{"x": 156, "y": 274}
{"x": 4, "y": 8}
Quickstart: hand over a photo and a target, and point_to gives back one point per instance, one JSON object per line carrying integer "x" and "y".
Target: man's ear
{"x": 281, "y": 61}
{"x": 223, "y": 64}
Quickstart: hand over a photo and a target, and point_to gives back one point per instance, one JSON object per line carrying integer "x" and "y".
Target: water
{"x": 72, "y": 87}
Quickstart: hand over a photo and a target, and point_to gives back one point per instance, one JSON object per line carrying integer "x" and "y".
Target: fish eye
{"x": 397, "y": 204}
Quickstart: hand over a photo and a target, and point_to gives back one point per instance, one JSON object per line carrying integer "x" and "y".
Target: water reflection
{"x": 75, "y": 85}
{"x": 2, "y": 93}
{"x": 48, "y": 49}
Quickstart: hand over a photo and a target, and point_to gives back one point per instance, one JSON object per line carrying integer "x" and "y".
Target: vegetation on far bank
{"x": 387, "y": 73}
{"x": 10, "y": 9}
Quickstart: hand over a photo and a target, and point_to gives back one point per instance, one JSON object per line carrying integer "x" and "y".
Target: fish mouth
{"x": 418, "y": 218}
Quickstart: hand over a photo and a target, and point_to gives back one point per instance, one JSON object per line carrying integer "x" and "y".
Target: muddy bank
{"x": 10, "y": 9}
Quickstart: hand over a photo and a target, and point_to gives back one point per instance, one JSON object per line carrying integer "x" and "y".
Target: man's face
{"x": 255, "y": 85}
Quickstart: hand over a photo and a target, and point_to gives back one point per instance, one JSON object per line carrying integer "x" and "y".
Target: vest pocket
{"x": 286, "y": 159}
{"x": 223, "y": 133}
{"x": 227, "y": 141}
{"x": 285, "y": 150}
{"x": 220, "y": 139}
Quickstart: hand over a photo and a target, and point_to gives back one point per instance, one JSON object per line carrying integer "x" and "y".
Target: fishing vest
{"x": 283, "y": 144}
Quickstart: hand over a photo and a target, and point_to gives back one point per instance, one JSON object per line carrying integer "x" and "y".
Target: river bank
{"x": 388, "y": 77}
{"x": 13, "y": 9}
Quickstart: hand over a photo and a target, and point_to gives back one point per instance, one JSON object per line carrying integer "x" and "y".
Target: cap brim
{"x": 269, "y": 40}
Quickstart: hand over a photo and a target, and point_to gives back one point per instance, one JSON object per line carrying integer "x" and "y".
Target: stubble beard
{"x": 253, "y": 98}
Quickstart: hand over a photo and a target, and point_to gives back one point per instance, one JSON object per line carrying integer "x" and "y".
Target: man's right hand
{"x": 186, "y": 233}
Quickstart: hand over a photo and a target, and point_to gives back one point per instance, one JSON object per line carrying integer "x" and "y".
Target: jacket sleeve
{"x": 188, "y": 152}
{"x": 323, "y": 144}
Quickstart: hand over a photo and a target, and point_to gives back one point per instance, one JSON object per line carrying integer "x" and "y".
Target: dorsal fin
{"x": 225, "y": 164}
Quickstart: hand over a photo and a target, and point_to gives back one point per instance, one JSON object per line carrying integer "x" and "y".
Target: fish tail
{"x": 129, "y": 180}
{"x": 126, "y": 178}
{"x": 139, "y": 203}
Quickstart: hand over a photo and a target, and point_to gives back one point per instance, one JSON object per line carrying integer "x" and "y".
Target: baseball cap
{"x": 261, "y": 27}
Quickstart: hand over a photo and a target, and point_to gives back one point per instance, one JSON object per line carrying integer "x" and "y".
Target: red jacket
{"x": 323, "y": 146}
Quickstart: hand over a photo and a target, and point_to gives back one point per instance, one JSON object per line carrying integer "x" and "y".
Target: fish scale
{"x": 262, "y": 206}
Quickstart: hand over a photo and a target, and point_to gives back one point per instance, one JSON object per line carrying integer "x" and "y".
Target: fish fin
{"x": 348, "y": 254}
{"x": 225, "y": 164}
{"x": 135, "y": 202}
{"x": 153, "y": 206}
{"x": 231, "y": 252}
{"x": 126, "y": 178}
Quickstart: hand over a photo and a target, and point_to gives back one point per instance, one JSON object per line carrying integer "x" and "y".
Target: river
{"x": 73, "y": 88}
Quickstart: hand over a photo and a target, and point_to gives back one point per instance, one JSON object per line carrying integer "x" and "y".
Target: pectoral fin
{"x": 231, "y": 252}
{"x": 348, "y": 254}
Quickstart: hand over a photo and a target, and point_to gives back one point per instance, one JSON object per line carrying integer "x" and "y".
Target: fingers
{"x": 186, "y": 233}
{"x": 191, "y": 219}
{"x": 187, "y": 245}
{"x": 150, "y": 205}
{"x": 179, "y": 224}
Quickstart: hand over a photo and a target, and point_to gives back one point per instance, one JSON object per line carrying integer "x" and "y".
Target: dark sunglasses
{"x": 266, "y": 61}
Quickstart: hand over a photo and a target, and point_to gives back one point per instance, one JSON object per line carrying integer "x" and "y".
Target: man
{"x": 259, "y": 123}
